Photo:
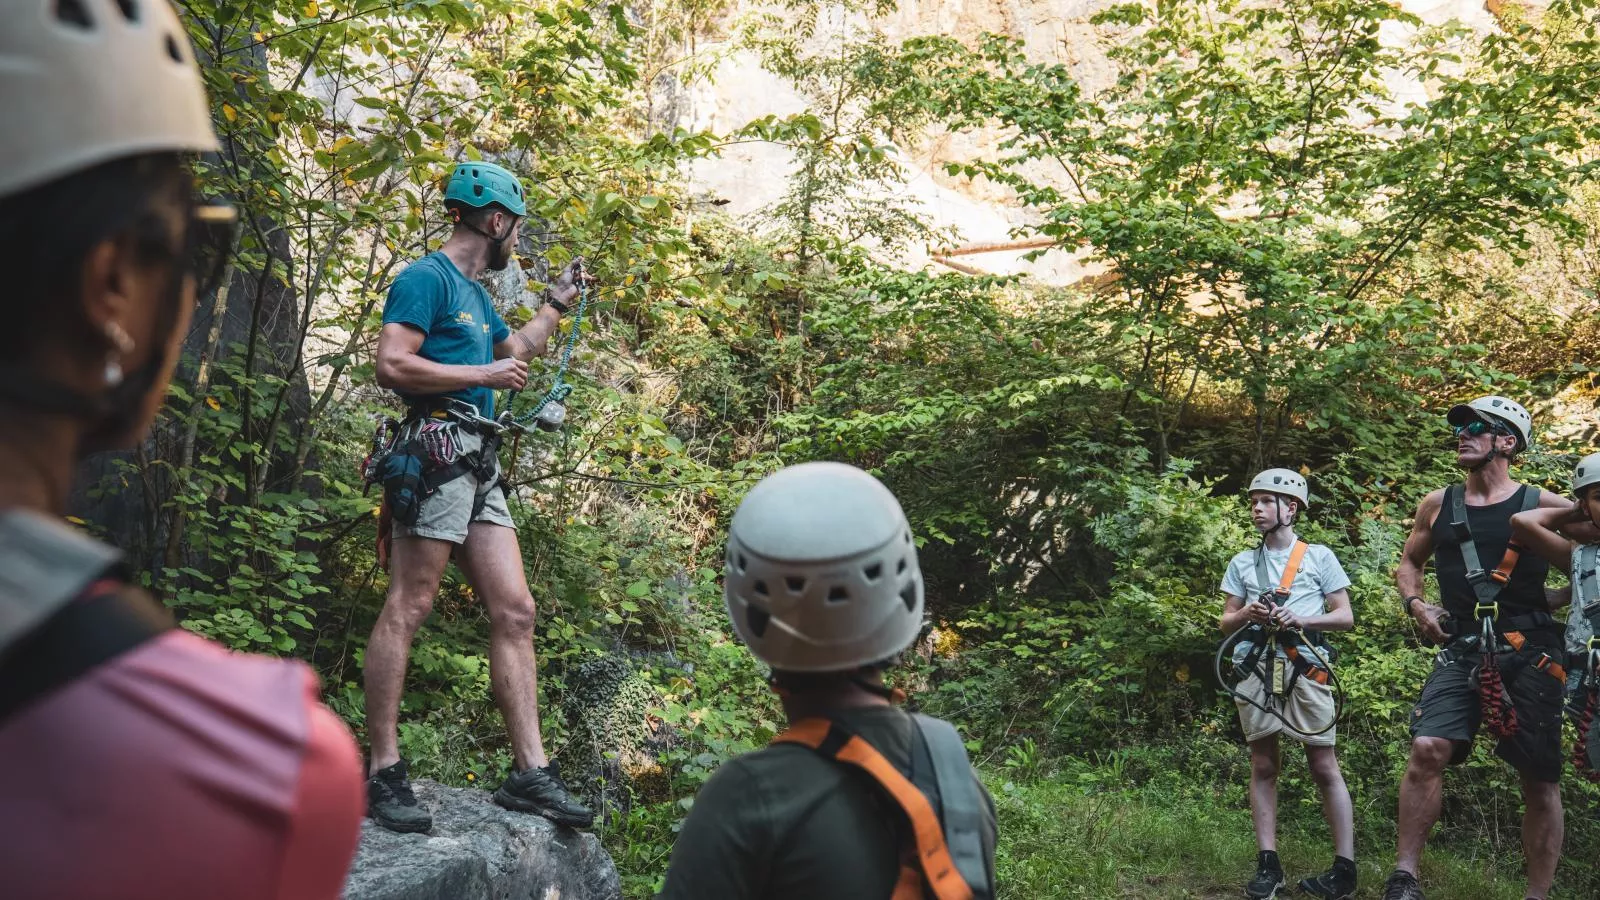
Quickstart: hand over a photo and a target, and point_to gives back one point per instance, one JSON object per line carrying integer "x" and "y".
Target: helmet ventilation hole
{"x": 172, "y": 49}
{"x": 795, "y": 583}
{"x": 130, "y": 10}
{"x": 908, "y": 596}
{"x": 757, "y": 619}
{"x": 837, "y": 594}
{"x": 873, "y": 572}
{"x": 477, "y": 190}
{"x": 900, "y": 569}
{"x": 743, "y": 564}
{"x": 72, "y": 12}
{"x": 760, "y": 587}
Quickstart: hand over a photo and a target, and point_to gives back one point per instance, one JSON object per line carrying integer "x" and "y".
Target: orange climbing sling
{"x": 928, "y": 868}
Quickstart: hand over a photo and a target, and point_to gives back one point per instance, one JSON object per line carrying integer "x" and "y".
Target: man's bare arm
{"x": 1413, "y": 560}
{"x": 400, "y": 367}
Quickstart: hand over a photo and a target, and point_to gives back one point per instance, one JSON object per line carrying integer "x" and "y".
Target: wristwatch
{"x": 550, "y": 299}
{"x": 1408, "y": 601}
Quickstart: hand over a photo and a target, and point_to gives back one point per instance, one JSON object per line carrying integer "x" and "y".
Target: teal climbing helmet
{"x": 481, "y": 183}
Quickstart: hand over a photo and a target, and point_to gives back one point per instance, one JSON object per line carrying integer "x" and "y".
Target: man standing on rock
{"x": 446, "y": 351}
{"x": 1300, "y": 591}
{"x": 1500, "y": 666}
{"x": 822, "y": 584}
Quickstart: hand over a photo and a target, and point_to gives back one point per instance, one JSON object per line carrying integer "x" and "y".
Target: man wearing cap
{"x": 1299, "y": 590}
{"x": 1499, "y": 668}
{"x": 445, "y": 350}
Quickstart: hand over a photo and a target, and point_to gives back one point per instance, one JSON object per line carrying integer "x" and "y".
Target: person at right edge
{"x": 138, "y": 760}
{"x": 857, "y": 800}
{"x": 1499, "y": 668}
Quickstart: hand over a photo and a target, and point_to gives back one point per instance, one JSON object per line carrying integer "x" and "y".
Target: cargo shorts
{"x": 445, "y": 514}
{"x": 1450, "y": 708}
{"x": 1309, "y": 707}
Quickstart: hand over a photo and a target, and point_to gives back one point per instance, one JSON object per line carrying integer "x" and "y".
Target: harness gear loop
{"x": 929, "y": 861}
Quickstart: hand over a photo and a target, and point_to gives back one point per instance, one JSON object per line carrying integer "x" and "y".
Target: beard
{"x": 500, "y": 255}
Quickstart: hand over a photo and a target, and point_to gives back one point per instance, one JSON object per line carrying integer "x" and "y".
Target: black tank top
{"x": 1491, "y": 531}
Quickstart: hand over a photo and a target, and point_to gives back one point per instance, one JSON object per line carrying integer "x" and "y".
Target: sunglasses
{"x": 1479, "y": 426}
{"x": 208, "y": 243}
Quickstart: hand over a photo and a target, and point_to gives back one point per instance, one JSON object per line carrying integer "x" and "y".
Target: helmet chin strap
{"x": 456, "y": 215}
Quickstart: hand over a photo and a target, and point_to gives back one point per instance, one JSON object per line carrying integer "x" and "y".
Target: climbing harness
{"x": 940, "y": 799}
{"x": 1494, "y": 634}
{"x": 551, "y": 411}
{"x": 1586, "y": 599}
{"x": 1304, "y": 653}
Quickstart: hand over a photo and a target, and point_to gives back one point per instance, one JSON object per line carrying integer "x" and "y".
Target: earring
{"x": 123, "y": 344}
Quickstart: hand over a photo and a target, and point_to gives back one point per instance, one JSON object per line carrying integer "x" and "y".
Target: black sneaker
{"x": 542, "y": 792}
{"x": 1268, "y": 878}
{"x": 1402, "y": 885}
{"x": 391, "y": 804}
{"x": 1338, "y": 883}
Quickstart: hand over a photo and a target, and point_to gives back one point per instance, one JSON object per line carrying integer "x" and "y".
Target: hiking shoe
{"x": 1402, "y": 885}
{"x": 1268, "y": 878}
{"x": 391, "y": 804}
{"x": 542, "y": 792}
{"x": 1338, "y": 883}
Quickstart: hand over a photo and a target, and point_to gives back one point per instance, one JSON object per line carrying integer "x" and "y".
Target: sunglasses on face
{"x": 1477, "y": 427}
{"x": 208, "y": 243}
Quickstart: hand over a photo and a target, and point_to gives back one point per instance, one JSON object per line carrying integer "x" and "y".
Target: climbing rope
{"x": 559, "y": 389}
{"x": 1499, "y": 715}
{"x": 1580, "y": 748}
{"x": 1271, "y": 636}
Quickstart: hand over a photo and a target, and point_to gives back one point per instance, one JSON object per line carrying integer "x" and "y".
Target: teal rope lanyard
{"x": 559, "y": 389}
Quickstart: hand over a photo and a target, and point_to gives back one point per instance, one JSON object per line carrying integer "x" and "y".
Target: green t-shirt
{"x": 784, "y": 823}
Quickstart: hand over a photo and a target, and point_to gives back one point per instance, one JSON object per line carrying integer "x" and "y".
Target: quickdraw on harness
{"x": 1303, "y": 653}
{"x": 551, "y": 411}
{"x": 940, "y": 798}
{"x": 1586, "y": 599}
{"x": 1499, "y": 714}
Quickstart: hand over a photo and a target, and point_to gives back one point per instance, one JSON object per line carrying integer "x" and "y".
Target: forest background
{"x": 1256, "y": 234}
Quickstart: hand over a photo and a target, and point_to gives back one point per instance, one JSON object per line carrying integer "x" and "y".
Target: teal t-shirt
{"x": 460, "y": 325}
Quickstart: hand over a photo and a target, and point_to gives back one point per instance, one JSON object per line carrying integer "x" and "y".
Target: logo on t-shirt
{"x": 465, "y": 318}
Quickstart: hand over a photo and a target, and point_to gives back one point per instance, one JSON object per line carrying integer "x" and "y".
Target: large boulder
{"x": 478, "y": 851}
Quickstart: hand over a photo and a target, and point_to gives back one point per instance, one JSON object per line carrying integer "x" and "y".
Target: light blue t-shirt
{"x": 460, "y": 325}
{"x": 1320, "y": 575}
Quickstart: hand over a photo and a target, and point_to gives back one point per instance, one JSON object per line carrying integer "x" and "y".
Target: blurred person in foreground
{"x": 136, "y": 759}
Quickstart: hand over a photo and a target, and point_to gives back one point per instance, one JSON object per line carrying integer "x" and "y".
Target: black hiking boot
{"x": 1338, "y": 883}
{"x": 391, "y": 804}
{"x": 1268, "y": 878}
{"x": 1402, "y": 885}
{"x": 542, "y": 792}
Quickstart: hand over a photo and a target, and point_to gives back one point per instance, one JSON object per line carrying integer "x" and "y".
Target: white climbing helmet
{"x": 1586, "y": 474}
{"x": 84, "y": 82}
{"x": 821, "y": 571}
{"x": 1287, "y": 482}
{"x": 1502, "y": 408}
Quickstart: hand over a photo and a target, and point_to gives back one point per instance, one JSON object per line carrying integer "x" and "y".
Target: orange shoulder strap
{"x": 1292, "y": 568}
{"x": 933, "y": 857}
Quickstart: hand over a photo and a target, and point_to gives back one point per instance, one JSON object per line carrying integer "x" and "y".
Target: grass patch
{"x": 1059, "y": 840}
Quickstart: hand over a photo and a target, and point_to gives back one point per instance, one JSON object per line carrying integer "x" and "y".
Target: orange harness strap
{"x": 1291, "y": 569}
{"x": 932, "y": 856}
{"x": 1508, "y": 562}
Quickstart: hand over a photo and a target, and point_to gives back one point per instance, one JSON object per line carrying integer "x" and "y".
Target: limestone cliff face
{"x": 752, "y": 176}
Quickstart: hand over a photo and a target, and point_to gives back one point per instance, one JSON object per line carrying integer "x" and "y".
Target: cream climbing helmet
{"x": 1287, "y": 482}
{"x": 1495, "y": 408}
{"x": 84, "y": 82}
{"x": 1586, "y": 473}
{"x": 821, "y": 571}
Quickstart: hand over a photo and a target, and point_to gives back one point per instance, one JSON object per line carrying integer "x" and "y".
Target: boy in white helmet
{"x": 1546, "y": 532}
{"x": 1499, "y": 643}
{"x": 1298, "y": 591}
{"x": 822, "y": 584}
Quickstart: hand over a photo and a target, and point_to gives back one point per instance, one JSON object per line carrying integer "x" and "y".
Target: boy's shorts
{"x": 1309, "y": 707}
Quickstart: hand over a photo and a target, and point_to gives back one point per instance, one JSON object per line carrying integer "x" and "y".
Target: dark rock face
{"x": 478, "y": 851}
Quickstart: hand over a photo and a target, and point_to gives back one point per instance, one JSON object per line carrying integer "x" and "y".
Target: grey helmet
{"x": 1503, "y": 408}
{"x": 1287, "y": 482}
{"x": 821, "y": 571}
{"x": 1586, "y": 474}
{"x": 91, "y": 81}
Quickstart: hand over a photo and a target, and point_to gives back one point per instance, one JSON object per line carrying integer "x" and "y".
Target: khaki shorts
{"x": 446, "y": 513}
{"x": 1309, "y": 707}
